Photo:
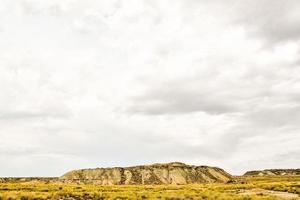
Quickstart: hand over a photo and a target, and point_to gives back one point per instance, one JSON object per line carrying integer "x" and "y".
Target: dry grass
{"x": 38, "y": 190}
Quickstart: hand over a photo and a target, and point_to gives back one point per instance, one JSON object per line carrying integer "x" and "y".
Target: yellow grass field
{"x": 247, "y": 188}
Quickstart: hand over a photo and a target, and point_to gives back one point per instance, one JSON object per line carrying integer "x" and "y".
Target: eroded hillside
{"x": 274, "y": 172}
{"x": 170, "y": 173}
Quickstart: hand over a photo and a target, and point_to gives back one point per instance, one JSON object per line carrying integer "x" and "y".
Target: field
{"x": 247, "y": 188}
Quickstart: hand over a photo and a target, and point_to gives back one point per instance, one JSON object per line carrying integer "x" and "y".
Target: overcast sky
{"x": 94, "y": 83}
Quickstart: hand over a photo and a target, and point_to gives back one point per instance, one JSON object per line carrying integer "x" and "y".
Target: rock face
{"x": 274, "y": 172}
{"x": 170, "y": 173}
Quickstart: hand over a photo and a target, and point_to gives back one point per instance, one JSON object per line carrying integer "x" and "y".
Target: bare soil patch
{"x": 283, "y": 195}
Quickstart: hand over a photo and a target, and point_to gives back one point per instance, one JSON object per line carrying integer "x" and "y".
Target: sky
{"x": 108, "y": 83}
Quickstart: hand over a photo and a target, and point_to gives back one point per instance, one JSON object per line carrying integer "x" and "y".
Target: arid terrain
{"x": 159, "y": 181}
{"x": 105, "y": 99}
{"x": 272, "y": 172}
{"x": 174, "y": 173}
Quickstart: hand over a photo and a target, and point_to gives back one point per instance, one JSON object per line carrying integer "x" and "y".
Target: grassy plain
{"x": 248, "y": 188}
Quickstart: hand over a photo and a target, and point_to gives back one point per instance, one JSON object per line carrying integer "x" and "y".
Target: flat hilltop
{"x": 155, "y": 174}
{"x": 274, "y": 172}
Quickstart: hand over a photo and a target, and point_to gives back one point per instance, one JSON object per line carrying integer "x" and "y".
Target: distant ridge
{"x": 274, "y": 172}
{"x": 158, "y": 173}
{"x": 27, "y": 179}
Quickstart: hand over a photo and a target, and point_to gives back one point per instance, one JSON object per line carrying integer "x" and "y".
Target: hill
{"x": 169, "y": 173}
{"x": 274, "y": 172}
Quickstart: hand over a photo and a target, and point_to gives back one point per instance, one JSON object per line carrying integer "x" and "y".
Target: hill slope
{"x": 274, "y": 172}
{"x": 170, "y": 173}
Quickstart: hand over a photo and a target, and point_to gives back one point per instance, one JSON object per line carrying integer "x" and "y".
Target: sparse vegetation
{"x": 33, "y": 190}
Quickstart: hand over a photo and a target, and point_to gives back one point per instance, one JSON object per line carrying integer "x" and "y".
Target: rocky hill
{"x": 273, "y": 172}
{"x": 170, "y": 173}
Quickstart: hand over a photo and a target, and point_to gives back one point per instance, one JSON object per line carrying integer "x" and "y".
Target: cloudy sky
{"x": 117, "y": 83}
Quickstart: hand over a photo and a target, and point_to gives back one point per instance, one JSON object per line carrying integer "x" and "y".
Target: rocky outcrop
{"x": 274, "y": 172}
{"x": 170, "y": 173}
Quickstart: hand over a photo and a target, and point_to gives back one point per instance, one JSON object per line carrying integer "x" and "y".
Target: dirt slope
{"x": 170, "y": 173}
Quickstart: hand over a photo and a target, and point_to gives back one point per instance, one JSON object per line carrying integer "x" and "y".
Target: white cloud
{"x": 106, "y": 83}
